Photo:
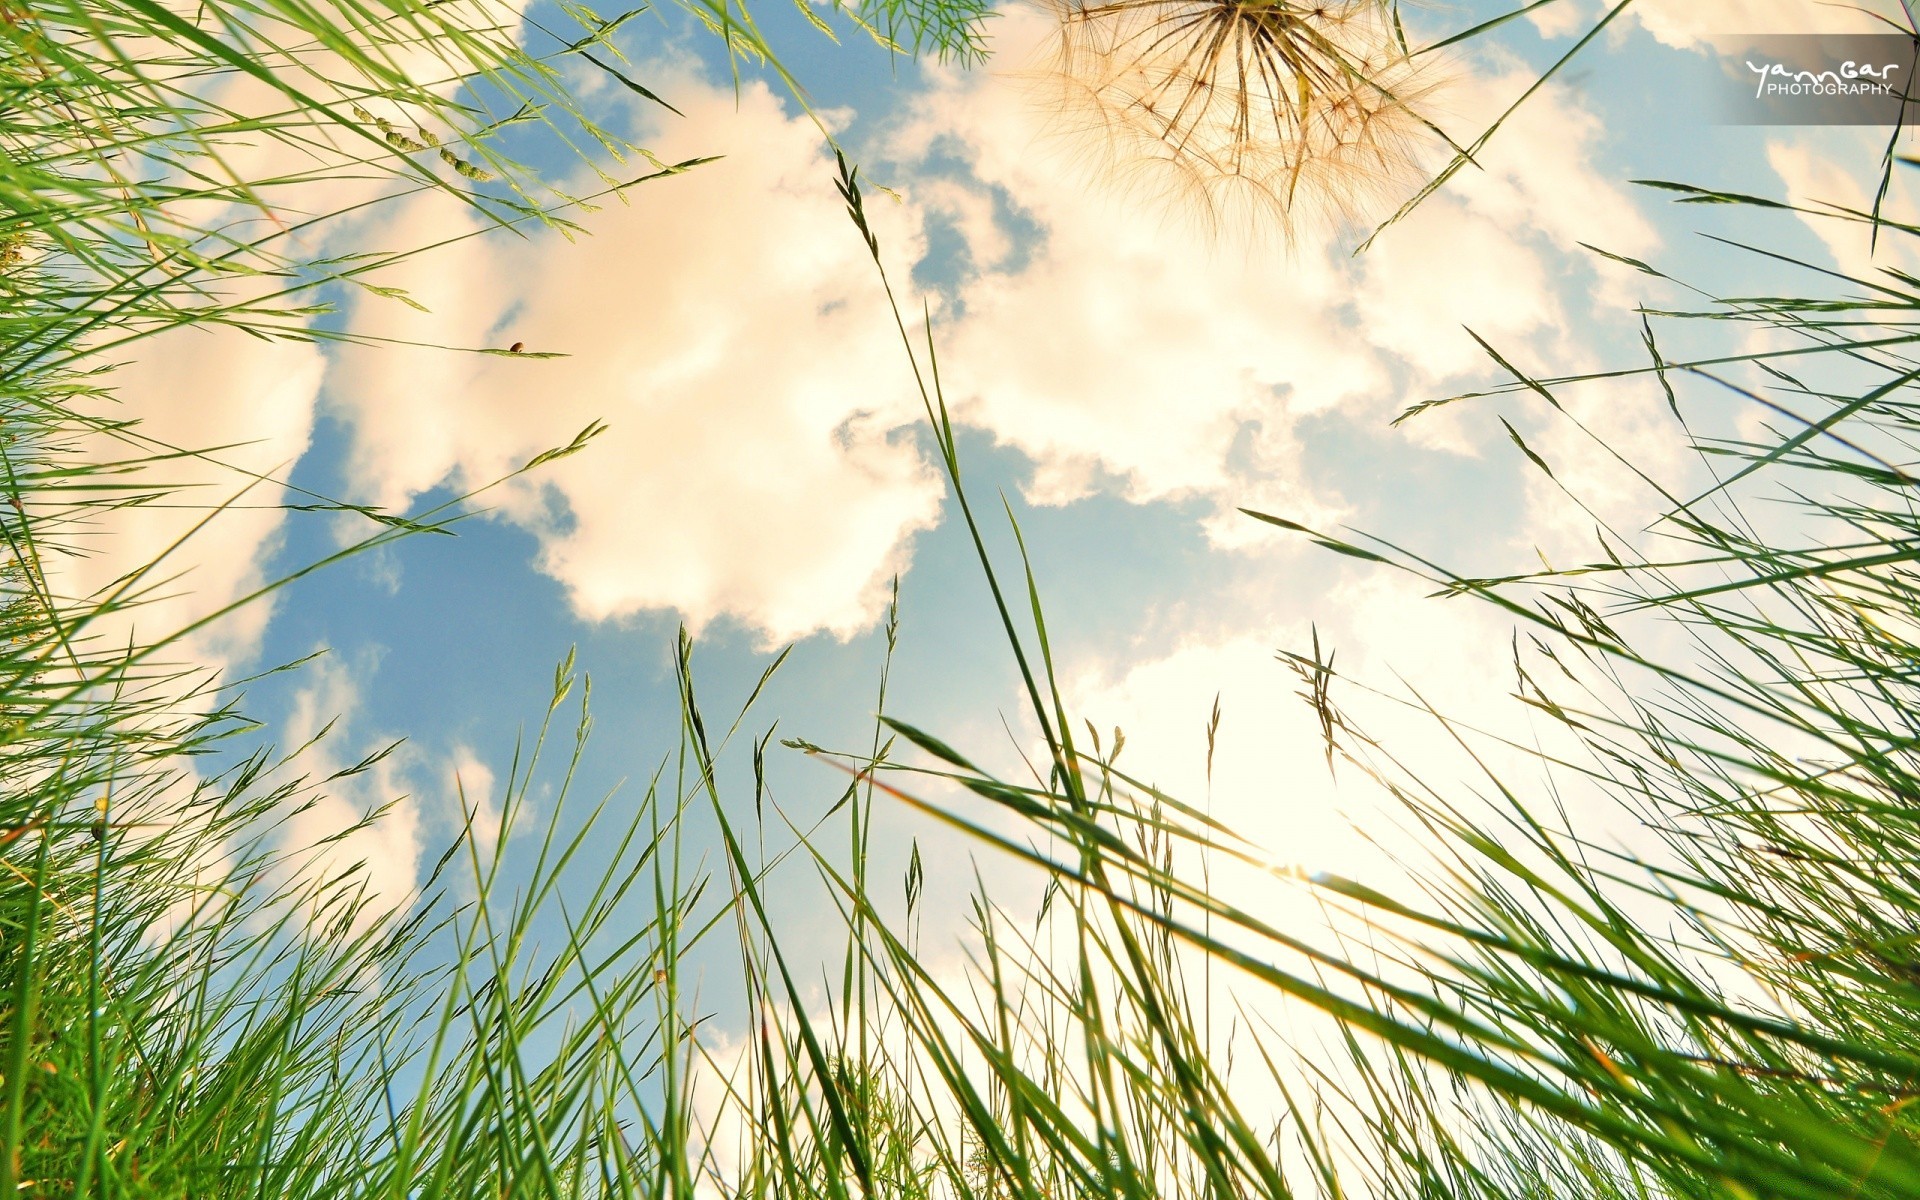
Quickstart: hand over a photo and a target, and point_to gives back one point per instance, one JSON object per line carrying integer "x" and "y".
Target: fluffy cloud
{"x": 366, "y": 829}
{"x": 756, "y": 465}
{"x": 1270, "y": 781}
{"x": 726, "y": 326}
{"x": 363, "y": 829}
{"x": 728, "y": 329}
{"x": 249, "y": 405}
{"x": 1127, "y": 351}
{"x": 1124, "y": 345}
{"x": 1840, "y": 171}
{"x": 200, "y": 427}
{"x": 217, "y": 417}
{"x": 472, "y": 797}
{"x": 1561, "y": 20}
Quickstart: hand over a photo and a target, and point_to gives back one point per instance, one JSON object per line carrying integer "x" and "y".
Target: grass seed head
{"x": 1274, "y": 114}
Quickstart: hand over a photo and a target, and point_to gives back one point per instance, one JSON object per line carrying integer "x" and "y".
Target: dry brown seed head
{"x": 1237, "y": 111}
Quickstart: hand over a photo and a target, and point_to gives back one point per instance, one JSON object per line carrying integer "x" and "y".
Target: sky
{"x": 1124, "y": 378}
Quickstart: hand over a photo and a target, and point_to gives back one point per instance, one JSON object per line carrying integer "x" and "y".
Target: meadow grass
{"x": 1537, "y": 1012}
{"x": 187, "y": 1009}
{"x": 192, "y": 1001}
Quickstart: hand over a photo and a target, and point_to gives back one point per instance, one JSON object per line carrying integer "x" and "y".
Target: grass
{"x": 188, "y": 1007}
{"x": 191, "y": 1003}
{"x": 1544, "y": 1014}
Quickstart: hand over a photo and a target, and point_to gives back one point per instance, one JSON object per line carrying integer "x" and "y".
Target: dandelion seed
{"x": 1273, "y": 112}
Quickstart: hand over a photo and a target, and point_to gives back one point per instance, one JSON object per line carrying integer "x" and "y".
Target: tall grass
{"x": 190, "y": 1009}
{"x": 1539, "y": 1012}
{"x": 192, "y": 1003}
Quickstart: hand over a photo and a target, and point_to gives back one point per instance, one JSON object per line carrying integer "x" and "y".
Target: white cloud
{"x": 732, "y": 334}
{"x": 1842, "y": 170}
{"x": 1270, "y": 780}
{"x": 224, "y": 414}
{"x": 1563, "y": 19}
{"x": 1451, "y": 267}
{"x": 471, "y": 793}
{"x": 1128, "y": 352}
{"x": 201, "y": 425}
{"x": 1590, "y": 486}
{"x": 1126, "y": 343}
{"x": 334, "y": 834}
{"x": 250, "y": 403}
{"x": 209, "y": 388}
{"x": 727, "y": 328}
{"x": 1542, "y": 172}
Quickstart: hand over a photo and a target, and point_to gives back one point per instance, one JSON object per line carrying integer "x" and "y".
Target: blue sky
{"x": 1125, "y": 382}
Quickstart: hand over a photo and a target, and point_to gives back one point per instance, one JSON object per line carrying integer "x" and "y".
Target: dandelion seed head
{"x": 1242, "y": 114}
